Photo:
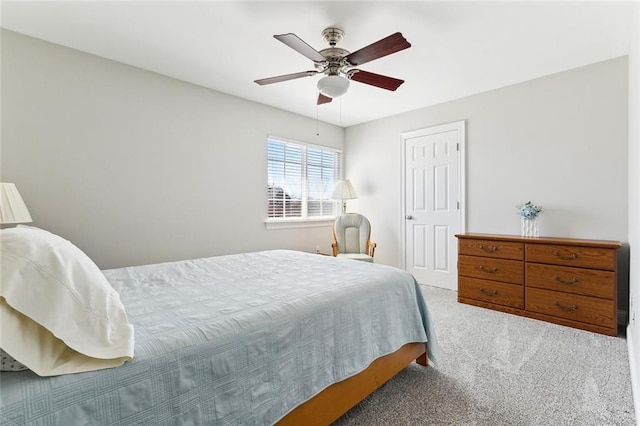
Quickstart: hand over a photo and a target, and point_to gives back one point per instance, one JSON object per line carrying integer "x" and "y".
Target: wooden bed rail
{"x": 327, "y": 406}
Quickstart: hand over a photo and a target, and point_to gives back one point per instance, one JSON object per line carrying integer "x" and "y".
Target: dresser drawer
{"x": 587, "y": 282}
{"x": 586, "y": 257}
{"x": 490, "y": 248}
{"x": 511, "y": 295}
{"x": 587, "y": 309}
{"x": 510, "y": 271}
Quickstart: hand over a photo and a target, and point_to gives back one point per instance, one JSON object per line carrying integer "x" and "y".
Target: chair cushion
{"x": 352, "y": 232}
{"x": 356, "y": 256}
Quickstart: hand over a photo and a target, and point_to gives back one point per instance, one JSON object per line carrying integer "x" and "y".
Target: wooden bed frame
{"x": 327, "y": 406}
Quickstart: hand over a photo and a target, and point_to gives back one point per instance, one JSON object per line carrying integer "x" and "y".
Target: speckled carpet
{"x": 501, "y": 369}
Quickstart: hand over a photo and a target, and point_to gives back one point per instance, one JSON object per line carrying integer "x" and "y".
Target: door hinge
{"x": 458, "y": 205}
{"x": 457, "y": 146}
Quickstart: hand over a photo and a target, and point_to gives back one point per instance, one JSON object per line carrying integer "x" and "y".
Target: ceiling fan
{"x": 338, "y": 64}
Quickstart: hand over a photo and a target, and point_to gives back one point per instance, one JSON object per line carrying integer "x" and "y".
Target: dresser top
{"x": 543, "y": 240}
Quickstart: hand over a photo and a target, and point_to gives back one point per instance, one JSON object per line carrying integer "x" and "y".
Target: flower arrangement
{"x": 528, "y": 210}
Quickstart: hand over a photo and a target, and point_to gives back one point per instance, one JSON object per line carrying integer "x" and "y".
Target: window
{"x": 300, "y": 180}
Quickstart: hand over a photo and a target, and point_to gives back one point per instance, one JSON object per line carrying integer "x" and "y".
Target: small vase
{"x": 529, "y": 227}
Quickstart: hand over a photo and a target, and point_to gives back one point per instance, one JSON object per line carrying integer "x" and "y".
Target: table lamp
{"x": 13, "y": 210}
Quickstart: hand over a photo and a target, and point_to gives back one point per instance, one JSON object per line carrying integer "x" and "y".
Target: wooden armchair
{"x": 351, "y": 237}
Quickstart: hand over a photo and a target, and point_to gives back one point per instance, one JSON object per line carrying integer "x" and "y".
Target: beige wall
{"x": 103, "y": 152}
{"x": 559, "y": 141}
{"x": 135, "y": 167}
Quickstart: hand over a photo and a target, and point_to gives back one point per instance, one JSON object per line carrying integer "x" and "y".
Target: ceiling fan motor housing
{"x": 332, "y": 35}
{"x": 336, "y": 62}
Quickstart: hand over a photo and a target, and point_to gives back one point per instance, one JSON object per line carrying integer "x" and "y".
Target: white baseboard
{"x": 635, "y": 383}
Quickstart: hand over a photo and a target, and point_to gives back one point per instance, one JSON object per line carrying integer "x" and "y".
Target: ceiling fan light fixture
{"x": 333, "y": 86}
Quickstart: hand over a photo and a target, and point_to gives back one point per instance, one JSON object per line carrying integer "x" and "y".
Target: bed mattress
{"x": 237, "y": 339}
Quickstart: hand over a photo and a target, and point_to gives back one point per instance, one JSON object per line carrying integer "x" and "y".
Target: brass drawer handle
{"x": 489, "y": 249}
{"x": 489, "y": 271}
{"x": 573, "y": 256}
{"x": 573, "y": 308}
{"x": 489, "y": 292}
{"x": 561, "y": 281}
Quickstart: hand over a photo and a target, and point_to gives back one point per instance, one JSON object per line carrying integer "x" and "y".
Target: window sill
{"x": 298, "y": 223}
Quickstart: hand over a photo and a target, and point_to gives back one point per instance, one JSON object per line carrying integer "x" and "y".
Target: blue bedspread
{"x": 231, "y": 340}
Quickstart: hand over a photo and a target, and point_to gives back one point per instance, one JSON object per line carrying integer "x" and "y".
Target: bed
{"x": 269, "y": 337}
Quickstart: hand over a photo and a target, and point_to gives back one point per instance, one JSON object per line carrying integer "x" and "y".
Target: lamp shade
{"x": 333, "y": 86}
{"x": 343, "y": 191}
{"x": 12, "y": 207}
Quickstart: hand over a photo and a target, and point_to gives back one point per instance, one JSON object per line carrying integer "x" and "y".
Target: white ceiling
{"x": 458, "y": 48}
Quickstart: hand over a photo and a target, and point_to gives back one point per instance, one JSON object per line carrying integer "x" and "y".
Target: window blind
{"x": 300, "y": 179}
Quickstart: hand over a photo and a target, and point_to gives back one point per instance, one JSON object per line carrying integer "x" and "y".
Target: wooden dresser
{"x": 566, "y": 281}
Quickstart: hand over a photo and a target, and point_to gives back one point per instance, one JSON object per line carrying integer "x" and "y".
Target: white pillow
{"x": 59, "y": 314}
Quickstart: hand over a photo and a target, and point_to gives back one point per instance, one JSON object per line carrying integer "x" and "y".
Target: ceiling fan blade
{"x": 297, "y": 44}
{"x": 376, "y": 80}
{"x": 322, "y": 99}
{"x": 388, "y": 45}
{"x": 285, "y": 77}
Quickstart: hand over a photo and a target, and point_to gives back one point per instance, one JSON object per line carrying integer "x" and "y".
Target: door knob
{"x": 409, "y": 217}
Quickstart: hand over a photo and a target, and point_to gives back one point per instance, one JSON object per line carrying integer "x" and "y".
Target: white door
{"x": 433, "y": 202}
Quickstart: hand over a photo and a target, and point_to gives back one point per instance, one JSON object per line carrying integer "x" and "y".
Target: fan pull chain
{"x": 317, "y": 121}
